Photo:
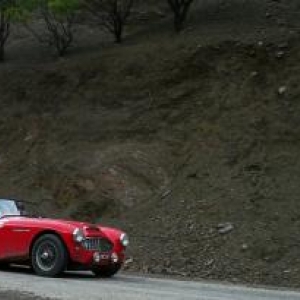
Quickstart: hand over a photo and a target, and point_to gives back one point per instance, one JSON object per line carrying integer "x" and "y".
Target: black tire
{"x": 106, "y": 271}
{"x": 49, "y": 256}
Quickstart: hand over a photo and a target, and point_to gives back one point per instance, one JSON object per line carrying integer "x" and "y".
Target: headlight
{"x": 124, "y": 239}
{"x": 78, "y": 235}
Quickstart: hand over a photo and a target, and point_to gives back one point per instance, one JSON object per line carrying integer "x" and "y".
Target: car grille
{"x": 98, "y": 244}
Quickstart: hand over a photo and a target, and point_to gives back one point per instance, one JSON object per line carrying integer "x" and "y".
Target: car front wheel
{"x": 106, "y": 271}
{"x": 49, "y": 256}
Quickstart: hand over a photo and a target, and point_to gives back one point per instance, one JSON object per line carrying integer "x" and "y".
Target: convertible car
{"x": 52, "y": 246}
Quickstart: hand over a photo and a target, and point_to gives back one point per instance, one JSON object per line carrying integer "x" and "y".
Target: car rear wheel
{"x": 49, "y": 256}
{"x": 106, "y": 271}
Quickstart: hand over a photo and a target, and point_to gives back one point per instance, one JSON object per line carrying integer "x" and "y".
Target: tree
{"x": 58, "y": 18}
{"x": 180, "y": 9}
{"x": 112, "y": 14}
{"x": 6, "y": 13}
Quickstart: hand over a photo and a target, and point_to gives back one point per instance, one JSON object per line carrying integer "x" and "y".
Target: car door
{"x": 17, "y": 235}
{"x": 4, "y": 238}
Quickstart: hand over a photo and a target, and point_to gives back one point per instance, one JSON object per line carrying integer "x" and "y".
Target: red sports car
{"x": 52, "y": 246}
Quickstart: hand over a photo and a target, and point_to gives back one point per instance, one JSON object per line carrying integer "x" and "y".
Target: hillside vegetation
{"x": 190, "y": 142}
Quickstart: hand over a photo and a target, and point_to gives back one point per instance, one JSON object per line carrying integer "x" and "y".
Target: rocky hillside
{"x": 189, "y": 142}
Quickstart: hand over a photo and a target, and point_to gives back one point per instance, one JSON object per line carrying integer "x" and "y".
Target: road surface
{"x": 79, "y": 286}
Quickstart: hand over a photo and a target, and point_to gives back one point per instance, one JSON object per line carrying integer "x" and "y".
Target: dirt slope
{"x": 176, "y": 139}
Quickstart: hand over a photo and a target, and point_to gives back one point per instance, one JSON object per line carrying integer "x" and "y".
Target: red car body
{"x": 51, "y": 246}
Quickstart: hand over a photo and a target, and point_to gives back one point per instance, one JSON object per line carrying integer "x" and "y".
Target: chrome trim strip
{"x": 20, "y": 230}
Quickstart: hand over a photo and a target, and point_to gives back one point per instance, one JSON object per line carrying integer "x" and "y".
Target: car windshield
{"x": 8, "y": 208}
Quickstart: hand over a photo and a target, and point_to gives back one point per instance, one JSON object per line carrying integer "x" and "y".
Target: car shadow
{"x": 18, "y": 269}
{"x": 25, "y": 270}
{"x": 75, "y": 275}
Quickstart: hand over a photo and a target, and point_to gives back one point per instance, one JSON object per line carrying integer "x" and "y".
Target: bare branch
{"x": 4, "y": 30}
{"x": 180, "y": 9}
{"x": 111, "y": 14}
{"x": 59, "y": 29}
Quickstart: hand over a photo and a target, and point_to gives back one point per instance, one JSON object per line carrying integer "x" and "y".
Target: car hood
{"x": 88, "y": 228}
{"x": 71, "y": 223}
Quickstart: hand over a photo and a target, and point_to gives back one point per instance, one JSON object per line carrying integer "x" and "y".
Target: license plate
{"x": 104, "y": 256}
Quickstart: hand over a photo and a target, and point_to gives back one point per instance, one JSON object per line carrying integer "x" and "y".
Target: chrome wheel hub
{"x": 46, "y": 256}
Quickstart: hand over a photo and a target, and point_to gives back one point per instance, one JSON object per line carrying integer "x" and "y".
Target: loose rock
{"x": 225, "y": 228}
{"x": 282, "y": 90}
{"x": 280, "y": 54}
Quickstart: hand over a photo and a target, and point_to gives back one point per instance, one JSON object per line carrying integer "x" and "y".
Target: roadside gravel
{"x": 15, "y": 295}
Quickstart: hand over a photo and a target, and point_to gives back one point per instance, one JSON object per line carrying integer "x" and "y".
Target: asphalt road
{"x": 22, "y": 285}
